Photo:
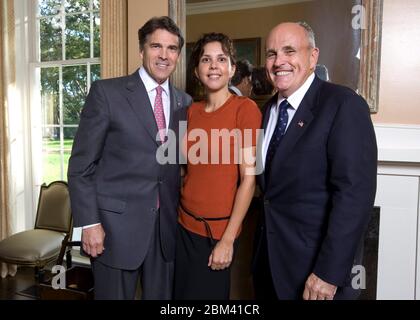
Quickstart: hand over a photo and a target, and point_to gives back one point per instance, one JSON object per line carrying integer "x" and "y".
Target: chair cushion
{"x": 31, "y": 247}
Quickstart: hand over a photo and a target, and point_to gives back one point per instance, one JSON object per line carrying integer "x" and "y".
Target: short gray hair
{"x": 309, "y": 32}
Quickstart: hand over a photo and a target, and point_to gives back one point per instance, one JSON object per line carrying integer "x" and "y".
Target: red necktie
{"x": 159, "y": 114}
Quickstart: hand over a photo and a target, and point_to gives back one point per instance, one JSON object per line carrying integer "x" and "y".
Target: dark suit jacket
{"x": 321, "y": 189}
{"x": 113, "y": 174}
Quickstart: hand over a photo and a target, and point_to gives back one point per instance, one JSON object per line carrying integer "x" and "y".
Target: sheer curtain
{"x": 7, "y": 79}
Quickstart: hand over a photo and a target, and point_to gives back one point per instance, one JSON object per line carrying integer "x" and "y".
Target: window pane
{"x": 50, "y": 40}
{"x": 78, "y": 36}
{"x": 76, "y": 5}
{"x": 95, "y": 72}
{"x": 96, "y": 4}
{"x": 96, "y": 36}
{"x": 74, "y": 92}
{"x": 50, "y": 96}
{"x": 51, "y": 154}
{"x": 49, "y": 7}
{"x": 69, "y": 134}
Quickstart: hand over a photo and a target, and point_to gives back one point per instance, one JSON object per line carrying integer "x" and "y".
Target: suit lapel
{"x": 176, "y": 104}
{"x": 300, "y": 122}
{"x": 140, "y": 103}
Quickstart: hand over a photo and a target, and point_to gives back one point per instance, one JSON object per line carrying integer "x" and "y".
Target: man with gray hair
{"x": 318, "y": 187}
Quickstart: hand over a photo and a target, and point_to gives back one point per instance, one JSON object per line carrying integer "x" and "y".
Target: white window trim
{"x": 34, "y": 65}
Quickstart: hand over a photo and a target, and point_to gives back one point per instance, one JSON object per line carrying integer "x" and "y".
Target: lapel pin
{"x": 301, "y": 123}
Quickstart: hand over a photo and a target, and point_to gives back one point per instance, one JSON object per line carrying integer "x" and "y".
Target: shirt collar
{"x": 296, "y": 97}
{"x": 150, "y": 84}
{"x": 236, "y": 90}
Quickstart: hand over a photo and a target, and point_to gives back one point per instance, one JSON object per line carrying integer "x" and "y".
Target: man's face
{"x": 160, "y": 54}
{"x": 289, "y": 58}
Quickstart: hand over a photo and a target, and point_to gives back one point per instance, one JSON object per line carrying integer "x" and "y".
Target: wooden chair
{"x": 47, "y": 242}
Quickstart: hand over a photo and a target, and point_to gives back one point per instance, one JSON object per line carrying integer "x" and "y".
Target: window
{"x": 67, "y": 61}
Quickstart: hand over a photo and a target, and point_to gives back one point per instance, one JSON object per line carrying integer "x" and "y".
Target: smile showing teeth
{"x": 214, "y": 76}
{"x": 160, "y": 65}
{"x": 282, "y": 73}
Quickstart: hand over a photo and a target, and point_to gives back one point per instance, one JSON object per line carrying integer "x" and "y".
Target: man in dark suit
{"x": 122, "y": 196}
{"x": 320, "y": 160}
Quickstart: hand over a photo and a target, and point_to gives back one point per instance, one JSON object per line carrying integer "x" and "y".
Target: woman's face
{"x": 214, "y": 68}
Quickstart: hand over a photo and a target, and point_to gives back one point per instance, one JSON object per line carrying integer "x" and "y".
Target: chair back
{"x": 54, "y": 211}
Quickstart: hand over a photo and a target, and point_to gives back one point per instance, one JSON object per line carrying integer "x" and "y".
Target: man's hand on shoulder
{"x": 318, "y": 289}
{"x": 93, "y": 240}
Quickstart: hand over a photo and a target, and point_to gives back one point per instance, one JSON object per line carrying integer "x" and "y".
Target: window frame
{"x": 35, "y": 104}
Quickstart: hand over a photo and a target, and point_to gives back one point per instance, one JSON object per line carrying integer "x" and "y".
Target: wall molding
{"x": 114, "y": 41}
{"x": 233, "y": 5}
{"x": 177, "y": 13}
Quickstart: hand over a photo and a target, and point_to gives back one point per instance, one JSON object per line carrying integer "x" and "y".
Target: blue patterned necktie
{"x": 278, "y": 134}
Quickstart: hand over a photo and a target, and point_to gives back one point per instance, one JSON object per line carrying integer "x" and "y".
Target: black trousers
{"x": 156, "y": 276}
{"x": 194, "y": 280}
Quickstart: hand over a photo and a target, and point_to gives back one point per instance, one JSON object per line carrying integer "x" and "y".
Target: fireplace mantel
{"x": 398, "y": 198}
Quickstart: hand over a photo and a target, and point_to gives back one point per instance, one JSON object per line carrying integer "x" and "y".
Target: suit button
{"x": 266, "y": 202}
{"x": 160, "y": 181}
{"x": 153, "y": 210}
{"x": 270, "y": 231}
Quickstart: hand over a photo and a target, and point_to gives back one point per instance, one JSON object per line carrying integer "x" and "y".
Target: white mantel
{"x": 398, "y": 197}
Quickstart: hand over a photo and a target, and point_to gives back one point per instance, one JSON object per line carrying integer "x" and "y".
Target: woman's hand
{"x": 221, "y": 256}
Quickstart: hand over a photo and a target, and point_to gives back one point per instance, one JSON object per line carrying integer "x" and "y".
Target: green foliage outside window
{"x": 69, "y": 30}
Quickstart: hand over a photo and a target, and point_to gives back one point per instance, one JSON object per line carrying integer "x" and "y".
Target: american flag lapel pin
{"x": 301, "y": 123}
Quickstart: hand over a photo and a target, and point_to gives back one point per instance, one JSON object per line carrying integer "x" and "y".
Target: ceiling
{"x": 208, "y": 6}
{"x": 194, "y": 1}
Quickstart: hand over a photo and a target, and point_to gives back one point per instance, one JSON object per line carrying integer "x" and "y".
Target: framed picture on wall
{"x": 249, "y": 49}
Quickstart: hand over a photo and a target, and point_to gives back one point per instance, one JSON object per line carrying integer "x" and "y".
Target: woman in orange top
{"x": 220, "y": 176}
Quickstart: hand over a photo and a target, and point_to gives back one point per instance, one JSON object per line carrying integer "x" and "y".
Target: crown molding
{"x": 233, "y": 5}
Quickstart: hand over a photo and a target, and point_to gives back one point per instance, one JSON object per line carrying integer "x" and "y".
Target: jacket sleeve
{"x": 86, "y": 154}
{"x": 352, "y": 157}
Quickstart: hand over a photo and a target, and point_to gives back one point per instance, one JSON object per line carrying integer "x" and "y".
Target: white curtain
{"x": 7, "y": 79}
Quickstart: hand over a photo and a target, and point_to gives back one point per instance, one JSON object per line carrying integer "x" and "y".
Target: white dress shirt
{"x": 294, "y": 101}
{"x": 151, "y": 85}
